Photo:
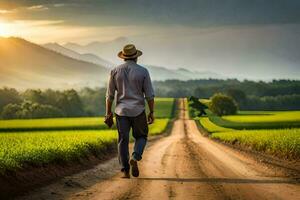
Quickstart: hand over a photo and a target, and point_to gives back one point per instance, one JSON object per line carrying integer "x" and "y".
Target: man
{"x": 132, "y": 85}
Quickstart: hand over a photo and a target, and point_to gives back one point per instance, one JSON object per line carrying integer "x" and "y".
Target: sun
{"x": 5, "y": 29}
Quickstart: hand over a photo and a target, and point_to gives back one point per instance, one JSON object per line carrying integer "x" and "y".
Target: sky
{"x": 197, "y": 34}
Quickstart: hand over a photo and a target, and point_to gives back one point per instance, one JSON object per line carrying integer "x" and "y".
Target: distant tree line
{"x": 249, "y": 95}
{"x": 49, "y": 103}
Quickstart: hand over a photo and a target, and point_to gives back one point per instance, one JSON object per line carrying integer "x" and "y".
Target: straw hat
{"x": 129, "y": 51}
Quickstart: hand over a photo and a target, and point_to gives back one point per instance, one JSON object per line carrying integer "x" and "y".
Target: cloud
{"x": 6, "y": 11}
{"x": 59, "y": 5}
{"x": 39, "y": 22}
{"x": 38, "y": 8}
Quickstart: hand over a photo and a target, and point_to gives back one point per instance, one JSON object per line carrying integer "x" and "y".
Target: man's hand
{"x": 151, "y": 118}
{"x": 109, "y": 119}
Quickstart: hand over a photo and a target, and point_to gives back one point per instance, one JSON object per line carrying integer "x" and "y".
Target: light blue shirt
{"x": 131, "y": 83}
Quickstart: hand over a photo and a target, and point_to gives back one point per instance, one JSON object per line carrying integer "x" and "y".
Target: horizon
{"x": 247, "y": 40}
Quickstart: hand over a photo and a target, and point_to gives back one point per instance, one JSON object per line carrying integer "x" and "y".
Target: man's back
{"x": 132, "y": 83}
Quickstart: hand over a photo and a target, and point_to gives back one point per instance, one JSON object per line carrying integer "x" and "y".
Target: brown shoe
{"x": 126, "y": 174}
{"x": 134, "y": 168}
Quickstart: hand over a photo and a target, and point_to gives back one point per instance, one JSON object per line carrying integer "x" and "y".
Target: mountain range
{"x": 158, "y": 73}
{"x": 28, "y": 65}
{"x": 107, "y": 49}
{"x": 162, "y": 73}
{"x": 88, "y": 57}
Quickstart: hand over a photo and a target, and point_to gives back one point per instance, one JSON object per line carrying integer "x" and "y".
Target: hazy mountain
{"x": 253, "y": 51}
{"x": 107, "y": 50}
{"x": 161, "y": 73}
{"x": 110, "y": 49}
{"x": 25, "y": 64}
{"x": 88, "y": 57}
{"x": 28, "y": 65}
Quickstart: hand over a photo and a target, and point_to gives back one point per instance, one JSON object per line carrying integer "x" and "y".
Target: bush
{"x": 29, "y": 110}
{"x": 9, "y": 96}
{"x": 223, "y": 105}
{"x": 11, "y": 111}
{"x": 196, "y": 108}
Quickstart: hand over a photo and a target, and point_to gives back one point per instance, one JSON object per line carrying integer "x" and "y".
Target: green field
{"x": 282, "y": 142}
{"x": 211, "y": 127}
{"x": 37, "y": 148}
{"x": 264, "y": 116}
{"x": 259, "y": 120}
{"x": 163, "y": 109}
{"x": 43, "y": 141}
{"x": 53, "y": 124}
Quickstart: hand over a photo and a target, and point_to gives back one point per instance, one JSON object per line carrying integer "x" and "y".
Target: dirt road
{"x": 183, "y": 165}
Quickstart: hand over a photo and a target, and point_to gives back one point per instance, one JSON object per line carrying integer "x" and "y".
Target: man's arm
{"x": 108, "y": 107}
{"x": 151, "y": 111}
{"x": 149, "y": 95}
{"x": 110, "y": 94}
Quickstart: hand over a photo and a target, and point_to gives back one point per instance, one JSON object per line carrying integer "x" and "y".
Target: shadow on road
{"x": 226, "y": 180}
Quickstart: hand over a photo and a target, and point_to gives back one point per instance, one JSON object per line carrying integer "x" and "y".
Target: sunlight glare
{"x": 5, "y": 29}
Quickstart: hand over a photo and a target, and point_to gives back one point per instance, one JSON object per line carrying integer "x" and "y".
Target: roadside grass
{"x": 159, "y": 126}
{"x": 38, "y": 148}
{"x": 39, "y": 142}
{"x": 19, "y": 149}
{"x": 211, "y": 127}
{"x": 258, "y": 121}
{"x": 272, "y": 132}
{"x": 281, "y": 142}
{"x": 163, "y": 107}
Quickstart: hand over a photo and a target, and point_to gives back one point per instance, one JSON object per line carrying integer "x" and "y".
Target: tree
{"x": 30, "y": 110}
{"x": 197, "y": 108}
{"x": 45, "y": 111}
{"x": 9, "y": 96}
{"x": 35, "y": 96}
{"x": 201, "y": 92}
{"x": 223, "y": 105}
{"x": 70, "y": 103}
{"x": 11, "y": 111}
{"x": 93, "y": 101}
{"x": 238, "y": 95}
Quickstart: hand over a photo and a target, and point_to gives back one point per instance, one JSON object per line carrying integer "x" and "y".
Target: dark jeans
{"x": 139, "y": 127}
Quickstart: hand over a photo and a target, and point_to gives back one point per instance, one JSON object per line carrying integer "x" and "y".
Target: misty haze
{"x": 139, "y": 99}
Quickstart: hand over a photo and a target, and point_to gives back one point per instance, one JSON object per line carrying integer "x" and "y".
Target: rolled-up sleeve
{"x": 111, "y": 87}
{"x": 147, "y": 87}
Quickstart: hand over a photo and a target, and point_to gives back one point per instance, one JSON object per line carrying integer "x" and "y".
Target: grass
{"x": 273, "y": 132}
{"x": 261, "y": 120}
{"x": 205, "y": 101}
{"x": 32, "y": 148}
{"x": 53, "y": 124}
{"x": 159, "y": 126}
{"x": 211, "y": 127}
{"x": 38, "y": 142}
{"x": 263, "y": 117}
{"x": 164, "y": 107}
{"x": 282, "y": 142}
{"x": 46, "y": 147}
